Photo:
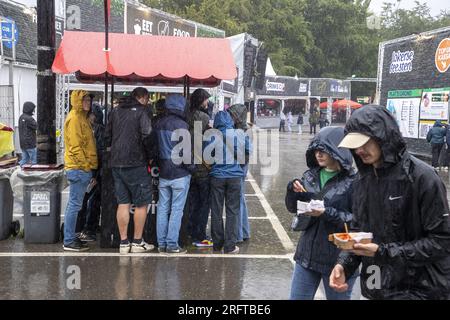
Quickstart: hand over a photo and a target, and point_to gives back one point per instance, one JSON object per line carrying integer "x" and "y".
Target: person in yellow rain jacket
{"x": 6, "y": 140}
{"x": 80, "y": 158}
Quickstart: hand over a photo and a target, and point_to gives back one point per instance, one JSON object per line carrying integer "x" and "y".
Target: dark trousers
{"x": 447, "y": 157}
{"x": 436, "y": 149}
{"x": 89, "y": 215}
{"x": 282, "y": 123}
{"x": 312, "y": 126}
{"x": 199, "y": 207}
{"x": 228, "y": 190}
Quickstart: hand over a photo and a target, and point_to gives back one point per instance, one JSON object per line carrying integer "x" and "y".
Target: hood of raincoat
{"x": 176, "y": 104}
{"x": 28, "y": 108}
{"x": 327, "y": 140}
{"x": 76, "y": 99}
{"x": 97, "y": 111}
{"x": 438, "y": 123}
{"x": 223, "y": 121}
{"x": 378, "y": 123}
{"x": 239, "y": 115}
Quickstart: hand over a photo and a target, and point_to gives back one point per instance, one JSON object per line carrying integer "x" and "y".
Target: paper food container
{"x": 345, "y": 241}
{"x": 302, "y": 207}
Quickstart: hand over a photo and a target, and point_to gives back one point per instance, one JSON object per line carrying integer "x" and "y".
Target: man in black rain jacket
{"x": 403, "y": 202}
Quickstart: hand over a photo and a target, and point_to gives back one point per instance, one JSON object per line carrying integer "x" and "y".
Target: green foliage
{"x": 117, "y": 6}
{"x": 397, "y": 22}
{"x": 311, "y": 38}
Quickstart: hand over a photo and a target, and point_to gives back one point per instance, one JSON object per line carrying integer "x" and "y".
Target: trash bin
{"x": 8, "y": 227}
{"x": 41, "y": 203}
{"x": 42, "y": 213}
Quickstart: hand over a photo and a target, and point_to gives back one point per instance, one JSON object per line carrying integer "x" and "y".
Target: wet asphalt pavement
{"x": 262, "y": 269}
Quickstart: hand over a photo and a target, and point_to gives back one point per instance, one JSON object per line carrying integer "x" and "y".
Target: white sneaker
{"x": 445, "y": 168}
{"x": 141, "y": 247}
{"x": 125, "y": 248}
{"x": 235, "y": 251}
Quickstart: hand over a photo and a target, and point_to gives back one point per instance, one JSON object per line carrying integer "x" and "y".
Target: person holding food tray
{"x": 403, "y": 202}
{"x": 329, "y": 178}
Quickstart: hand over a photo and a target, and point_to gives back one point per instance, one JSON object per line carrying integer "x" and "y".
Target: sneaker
{"x": 177, "y": 250}
{"x": 162, "y": 249}
{"x": 141, "y": 247}
{"x": 445, "y": 168}
{"x": 204, "y": 243}
{"x": 87, "y": 237}
{"x": 125, "y": 248}
{"x": 76, "y": 246}
{"x": 235, "y": 251}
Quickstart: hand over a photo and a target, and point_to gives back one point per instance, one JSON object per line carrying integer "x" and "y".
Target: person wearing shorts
{"x": 128, "y": 134}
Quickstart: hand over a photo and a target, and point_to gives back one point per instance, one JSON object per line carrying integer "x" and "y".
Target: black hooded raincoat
{"x": 404, "y": 204}
{"x": 314, "y": 251}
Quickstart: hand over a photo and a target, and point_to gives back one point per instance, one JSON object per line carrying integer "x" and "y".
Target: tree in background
{"x": 343, "y": 44}
{"x": 311, "y": 38}
{"x": 397, "y": 23}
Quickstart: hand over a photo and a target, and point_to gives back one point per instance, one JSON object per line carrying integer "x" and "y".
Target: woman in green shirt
{"x": 329, "y": 178}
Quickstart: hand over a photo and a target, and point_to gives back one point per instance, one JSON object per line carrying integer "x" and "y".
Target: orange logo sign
{"x": 442, "y": 59}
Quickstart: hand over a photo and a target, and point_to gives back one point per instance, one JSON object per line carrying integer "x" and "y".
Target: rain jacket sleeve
{"x": 348, "y": 260}
{"x": 32, "y": 124}
{"x": 152, "y": 146}
{"x": 434, "y": 216}
{"x": 339, "y": 217}
{"x": 146, "y": 130}
{"x": 243, "y": 145}
{"x": 74, "y": 142}
{"x": 292, "y": 197}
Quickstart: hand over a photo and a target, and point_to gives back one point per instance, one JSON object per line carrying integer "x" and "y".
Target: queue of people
{"x": 190, "y": 188}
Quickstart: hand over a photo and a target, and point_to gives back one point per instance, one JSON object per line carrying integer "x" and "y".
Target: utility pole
{"x": 46, "y": 94}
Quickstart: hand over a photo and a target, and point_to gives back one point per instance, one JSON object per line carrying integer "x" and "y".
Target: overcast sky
{"x": 376, "y": 5}
{"x": 435, "y": 5}
{"x": 30, "y": 3}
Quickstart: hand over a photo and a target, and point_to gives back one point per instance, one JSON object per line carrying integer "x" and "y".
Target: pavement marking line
{"x": 140, "y": 255}
{"x": 276, "y": 224}
{"x": 252, "y": 195}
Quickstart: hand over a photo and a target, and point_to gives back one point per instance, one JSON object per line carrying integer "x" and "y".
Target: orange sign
{"x": 442, "y": 58}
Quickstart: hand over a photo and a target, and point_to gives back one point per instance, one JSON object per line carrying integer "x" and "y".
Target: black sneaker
{"x": 76, "y": 246}
{"x": 177, "y": 250}
{"x": 87, "y": 237}
{"x": 234, "y": 251}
